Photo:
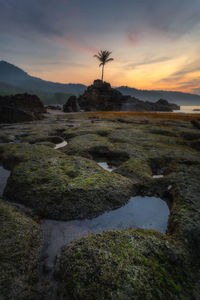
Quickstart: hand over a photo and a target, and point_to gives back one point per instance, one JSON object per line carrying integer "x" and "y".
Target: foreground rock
{"x": 58, "y": 186}
{"x": 20, "y": 108}
{"x": 19, "y": 253}
{"x": 125, "y": 264}
{"x": 100, "y": 96}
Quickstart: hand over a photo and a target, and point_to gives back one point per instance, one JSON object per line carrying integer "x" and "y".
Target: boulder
{"x": 72, "y": 105}
{"x": 20, "y": 108}
{"x": 196, "y": 123}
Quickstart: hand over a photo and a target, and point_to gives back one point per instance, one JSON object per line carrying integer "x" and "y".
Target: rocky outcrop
{"x": 72, "y": 105}
{"x": 20, "y": 108}
{"x": 101, "y": 97}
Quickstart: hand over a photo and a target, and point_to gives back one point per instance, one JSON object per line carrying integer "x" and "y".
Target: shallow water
{"x": 15, "y": 141}
{"x": 157, "y": 176}
{"x": 142, "y": 212}
{"x": 60, "y": 145}
{"x": 4, "y": 174}
{"x": 106, "y": 166}
{"x": 188, "y": 109}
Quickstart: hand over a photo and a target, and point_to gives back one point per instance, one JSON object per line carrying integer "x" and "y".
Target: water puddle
{"x": 60, "y": 145}
{"x": 142, "y": 212}
{"x": 4, "y": 174}
{"x": 157, "y": 176}
{"x": 106, "y": 166}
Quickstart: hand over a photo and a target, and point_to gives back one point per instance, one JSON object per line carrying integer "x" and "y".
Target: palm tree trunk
{"x": 102, "y": 73}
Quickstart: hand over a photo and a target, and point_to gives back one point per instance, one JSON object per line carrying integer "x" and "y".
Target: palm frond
{"x": 103, "y": 56}
{"x": 110, "y": 59}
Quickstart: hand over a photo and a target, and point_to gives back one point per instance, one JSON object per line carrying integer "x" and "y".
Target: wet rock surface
{"x": 113, "y": 264}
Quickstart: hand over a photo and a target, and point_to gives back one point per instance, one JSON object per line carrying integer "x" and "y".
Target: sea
{"x": 188, "y": 109}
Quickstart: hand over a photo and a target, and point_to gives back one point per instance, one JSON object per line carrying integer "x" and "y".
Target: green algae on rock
{"x": 59, "y": 186}
{"x": 20, "y": 241}
{"x": 124, "y": 264}
{"x": 39, "y": 138}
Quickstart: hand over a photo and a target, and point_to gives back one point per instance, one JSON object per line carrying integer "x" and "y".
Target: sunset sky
{"x": 155, "y": 44}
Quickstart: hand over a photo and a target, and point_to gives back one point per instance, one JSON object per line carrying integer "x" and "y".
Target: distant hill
{"x": 152, "y": 95}
{"x": 14, "y": 80}
{"x": 15, "y": 76}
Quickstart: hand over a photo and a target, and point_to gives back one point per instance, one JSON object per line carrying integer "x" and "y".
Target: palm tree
{"x": 103, "y": 57}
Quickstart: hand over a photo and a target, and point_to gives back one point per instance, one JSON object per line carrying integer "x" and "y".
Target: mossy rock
{"x": 125, "y": 264}
{"x": 64, "y": 187}
{"x": 137, "y": 169}
{"x": 195, "y": 144}
{"x": 101, "y": 128}
{"x": 20, "y": 241}
{"x": 184, "y": 219}
{"x": 164, "y": 131}
{"x": 39, "y": 138}
{"x": 87, "y": 145}
{"x": 13, "y": 154}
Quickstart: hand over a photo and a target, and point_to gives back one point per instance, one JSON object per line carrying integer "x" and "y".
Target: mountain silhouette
{"x": 16, "y": 77}
{"x": 153, "y": 95}
{"x": 15, "y": 80}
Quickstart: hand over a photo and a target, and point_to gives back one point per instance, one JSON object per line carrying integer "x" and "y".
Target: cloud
{"x": 133, "y": 36}
{"x": 53, "y": 29}
{"x": 171, "y": 19}
{"x": 50, "y": 17}
{"x": 196, "y": 90}
{"x": 80, "y": 44}
{"x": 187, "y": 69}
{"x": 147, "y": 61}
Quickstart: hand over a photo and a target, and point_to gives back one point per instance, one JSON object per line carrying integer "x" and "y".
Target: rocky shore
{"x": 101, "y": 97}
{"x": 68, "y": 184}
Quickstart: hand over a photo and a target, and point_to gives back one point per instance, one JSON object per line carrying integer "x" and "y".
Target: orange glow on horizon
{"x": 157, "y": 76}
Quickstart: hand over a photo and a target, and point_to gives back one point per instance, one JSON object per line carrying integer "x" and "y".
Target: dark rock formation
{"x": 71, "y": 105}
{"x": 100, "y": 96}
{"x": 196, "y": 123}
{"x": 20, "y": 108}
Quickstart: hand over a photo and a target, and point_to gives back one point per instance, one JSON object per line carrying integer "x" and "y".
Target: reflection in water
{"x": 60, "y": 145}
{"x": 4, "y": 174}
{"x": 106, "y": 166}
{"x": 157, "y": 176}
{"x": 143, "y": 212}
